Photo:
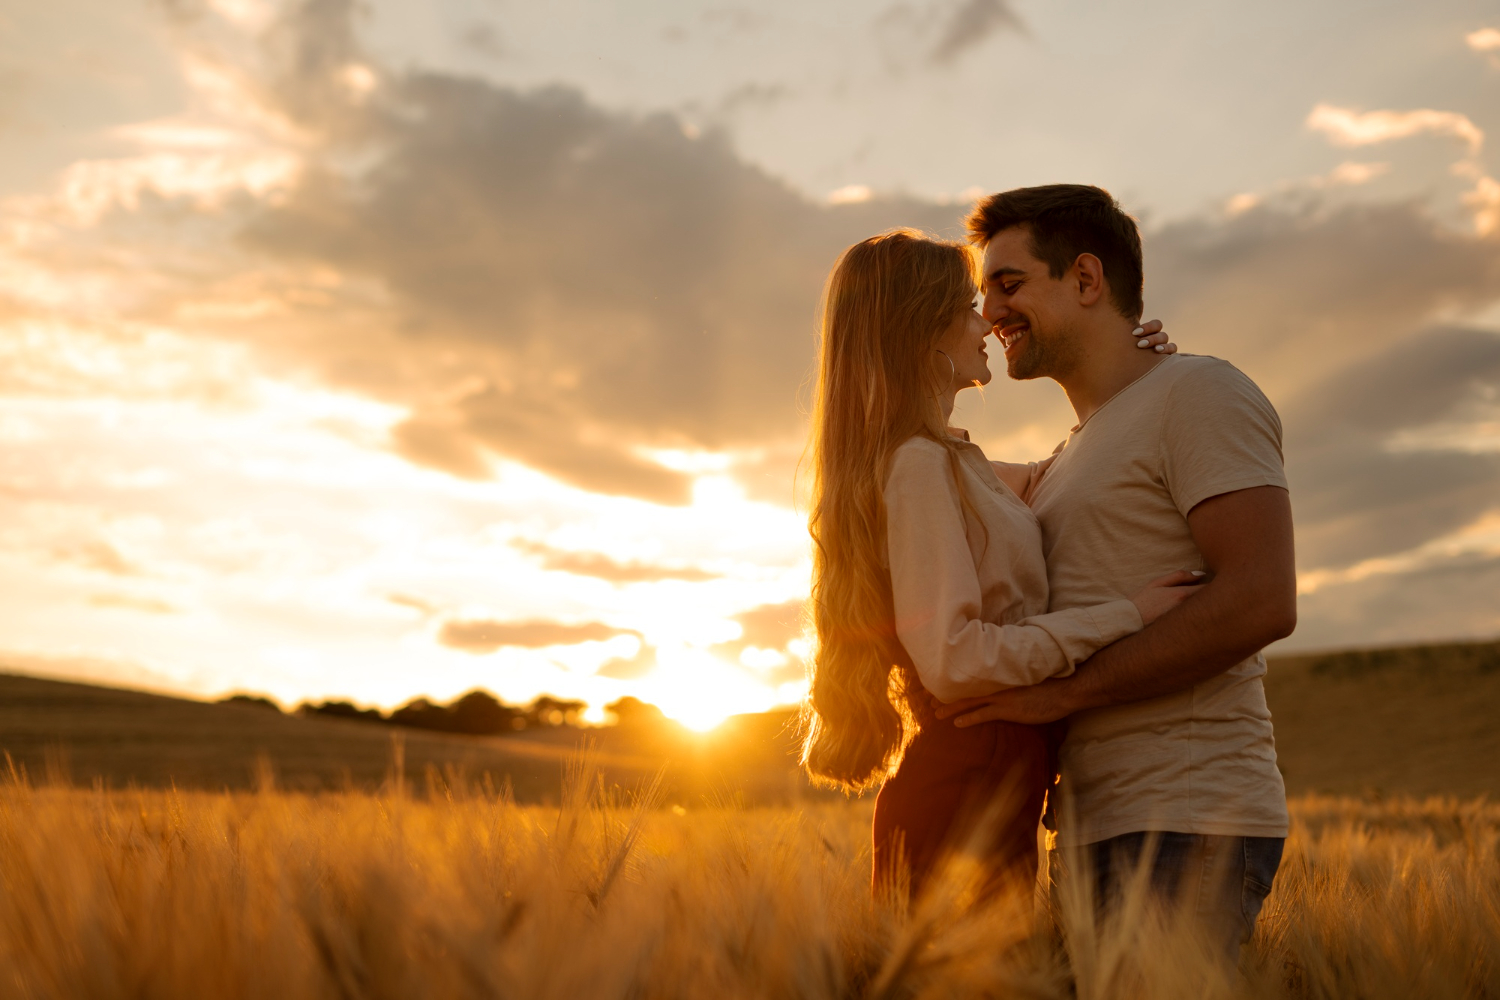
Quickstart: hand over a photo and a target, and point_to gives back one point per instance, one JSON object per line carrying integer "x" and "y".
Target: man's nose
{"x": 994, "y": 309}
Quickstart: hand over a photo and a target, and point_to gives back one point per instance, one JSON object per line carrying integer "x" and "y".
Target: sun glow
{"x": 148, "y": 519}
{"x": 700, "y": 690}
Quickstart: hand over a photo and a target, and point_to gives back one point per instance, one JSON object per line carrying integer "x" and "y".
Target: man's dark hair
{"x": 1066, "y": 220}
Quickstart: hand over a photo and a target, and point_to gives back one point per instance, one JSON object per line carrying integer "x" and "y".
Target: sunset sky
{"x": 391, "y": 349}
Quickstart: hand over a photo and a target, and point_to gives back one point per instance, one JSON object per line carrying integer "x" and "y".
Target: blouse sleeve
{"x": 937, "y": 594}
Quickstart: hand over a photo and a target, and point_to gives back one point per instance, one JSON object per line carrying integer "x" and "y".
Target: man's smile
{"x": 1012, "y": 334}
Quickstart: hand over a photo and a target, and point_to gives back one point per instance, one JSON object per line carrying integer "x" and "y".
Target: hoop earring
{"x": 952, "y": 372}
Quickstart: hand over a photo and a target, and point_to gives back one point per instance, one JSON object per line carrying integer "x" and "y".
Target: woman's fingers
{"x": 1150, "y": 337}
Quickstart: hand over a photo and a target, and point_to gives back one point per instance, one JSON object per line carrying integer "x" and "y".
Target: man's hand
{"x": 1034, "y": 705}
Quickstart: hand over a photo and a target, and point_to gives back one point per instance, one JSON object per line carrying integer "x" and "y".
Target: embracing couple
{"x": 982, "y": 625}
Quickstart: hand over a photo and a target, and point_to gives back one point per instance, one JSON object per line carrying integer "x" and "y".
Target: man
{"x": 1175, "y": 463}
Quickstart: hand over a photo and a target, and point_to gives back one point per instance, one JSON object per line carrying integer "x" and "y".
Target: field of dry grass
{"x": 462, "y": 893}
{"x": 294, "y": 860}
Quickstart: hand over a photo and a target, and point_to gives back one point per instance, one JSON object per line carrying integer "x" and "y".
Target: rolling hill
{"x": 1416, "y": 720}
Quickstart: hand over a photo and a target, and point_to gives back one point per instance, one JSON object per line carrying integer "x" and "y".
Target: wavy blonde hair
{"x": 888, "y": 301}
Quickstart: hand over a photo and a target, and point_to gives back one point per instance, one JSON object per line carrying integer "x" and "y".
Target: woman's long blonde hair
{"x": 888, "y": 301}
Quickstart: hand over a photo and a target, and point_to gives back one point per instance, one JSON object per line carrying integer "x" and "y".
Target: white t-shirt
{"x": 1113, "y": 509}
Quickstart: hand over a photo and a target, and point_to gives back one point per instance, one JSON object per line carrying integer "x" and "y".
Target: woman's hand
{"x": 1149, "y": 337}
{"x": 1162, "y": 595}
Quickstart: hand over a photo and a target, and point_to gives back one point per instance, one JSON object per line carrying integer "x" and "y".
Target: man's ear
{"x": 1088, "y": 277}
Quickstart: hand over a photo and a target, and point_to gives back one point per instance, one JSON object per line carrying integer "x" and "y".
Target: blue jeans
{"x": 1222, "y": 880}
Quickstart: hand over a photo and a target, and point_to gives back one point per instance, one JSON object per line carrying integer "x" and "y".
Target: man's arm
{"x": 1249, "y": 602}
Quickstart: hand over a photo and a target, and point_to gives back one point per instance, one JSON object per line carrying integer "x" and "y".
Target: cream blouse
{"x": 972, "y": 615}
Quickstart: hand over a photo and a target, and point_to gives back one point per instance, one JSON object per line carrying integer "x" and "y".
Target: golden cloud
{"x": 486, "y": 636}
{"x": 602, "y": 567}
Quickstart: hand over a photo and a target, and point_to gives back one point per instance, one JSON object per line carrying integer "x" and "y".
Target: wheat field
{"x": 448, "y": 891}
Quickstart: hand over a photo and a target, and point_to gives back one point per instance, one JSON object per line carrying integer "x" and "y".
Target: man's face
{"x": 1032, "y": 312}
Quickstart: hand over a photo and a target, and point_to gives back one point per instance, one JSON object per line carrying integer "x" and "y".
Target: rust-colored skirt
{"x": 939, "y": 798}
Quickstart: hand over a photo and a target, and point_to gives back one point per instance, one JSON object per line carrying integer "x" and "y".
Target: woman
{"x": 928, "y": 576}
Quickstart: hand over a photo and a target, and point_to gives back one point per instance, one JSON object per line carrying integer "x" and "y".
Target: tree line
{"x": 477, "y": 713}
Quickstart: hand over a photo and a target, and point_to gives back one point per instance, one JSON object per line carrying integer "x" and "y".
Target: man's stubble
{"x": 1050, "y": 355}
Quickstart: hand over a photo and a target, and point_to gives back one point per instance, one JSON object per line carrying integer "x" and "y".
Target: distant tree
{"x": 251, "y": 700}
{"x": 631, "y": 711}
{"x": 419, "y": 713}
{"x": 481, "y": 713}
{"x": 550, "y": 711}
{"x": 341, "y": 710}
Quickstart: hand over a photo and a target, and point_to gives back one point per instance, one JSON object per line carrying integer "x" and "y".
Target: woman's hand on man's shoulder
{"x": 1150, "y": 337}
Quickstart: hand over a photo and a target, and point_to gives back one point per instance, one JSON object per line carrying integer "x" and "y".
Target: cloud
{"x": 767, "y": 630}
{"x": 629, "y": 668}
{"x": 850, "y": 194}
{"x": 1479, "y": 539}
{"x": 484, "y": 39}
{"x": 970, "y": 23}
{"x": 1350, "y": 173}
{"x": 602, "y": 567}
{"x": 99, "y": 556}
{"x": 445, "y": 448}
{"x": 1353, "y": 173}
{"x": 1431, "y": 603}
{"x": 772, "y": 626}
{"x": 128, "y": 602}
{"x": 1347, "y": 127}
{"x": 751, "y": 96}
{"x": 1360, "y": 495}
{"x": 1485, "y": 201}
{"x": 485, "y": 636}
{"x": 1297, "y": 293}
{"x": 536, "y": 278}
{"x": 940, "y": 32}
{"x": 1486, "y": 40}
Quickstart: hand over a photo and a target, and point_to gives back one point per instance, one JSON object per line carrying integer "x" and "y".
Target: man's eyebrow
{"x": 1003, "y": 272}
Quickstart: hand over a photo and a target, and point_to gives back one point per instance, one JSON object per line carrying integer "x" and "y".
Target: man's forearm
{"x": 1246, "y": 541}
{"x": 1245, "y": 538}
{"x": 1201, "y": 639}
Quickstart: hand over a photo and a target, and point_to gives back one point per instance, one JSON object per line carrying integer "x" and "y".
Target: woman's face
{"x": 963, "y": 342}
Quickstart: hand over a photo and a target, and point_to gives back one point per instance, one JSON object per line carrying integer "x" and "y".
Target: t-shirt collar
{"x": 1122, "y": 391}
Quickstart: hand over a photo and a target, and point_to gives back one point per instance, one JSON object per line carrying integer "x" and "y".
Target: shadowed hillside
{"x": 84, "y": 733}
{"x": 1415, "y": 719}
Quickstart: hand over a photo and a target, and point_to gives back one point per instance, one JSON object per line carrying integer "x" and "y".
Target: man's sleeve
{"x": 1220, "y": 435}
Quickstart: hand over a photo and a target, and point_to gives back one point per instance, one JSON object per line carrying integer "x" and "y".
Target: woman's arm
{"x": 1022, "y": 477}
{"x": 937, "y": 595}
{"x": 1016, "y": 475}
